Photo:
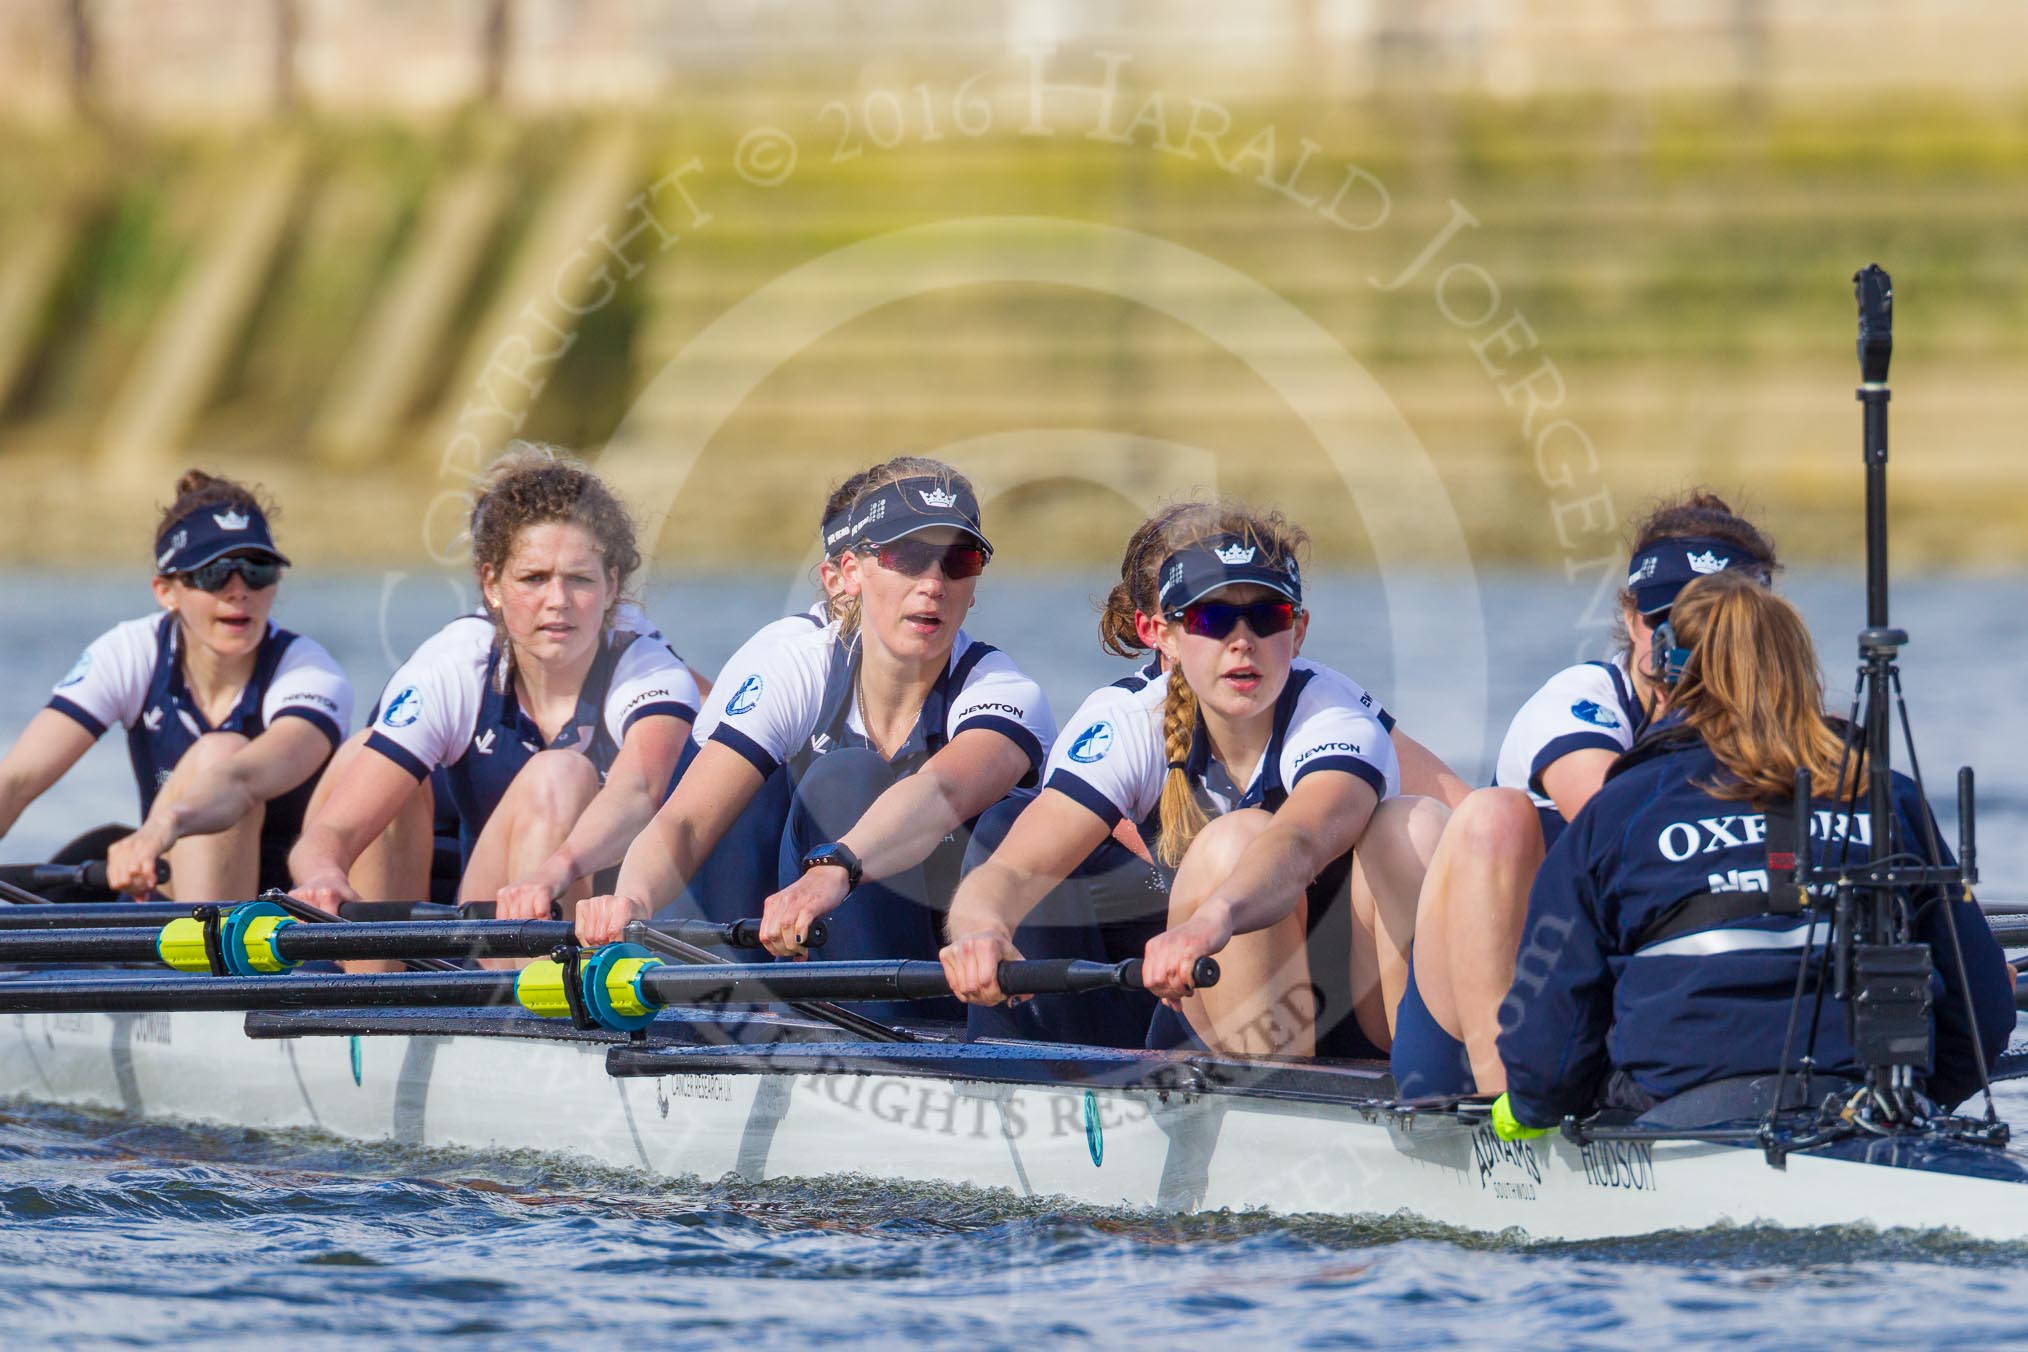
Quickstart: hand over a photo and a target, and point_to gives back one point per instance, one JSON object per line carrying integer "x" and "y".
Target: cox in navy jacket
{"x": 1711, "y": 1004}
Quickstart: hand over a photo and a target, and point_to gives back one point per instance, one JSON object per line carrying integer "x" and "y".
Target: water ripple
{"x": 116, "y": 1233}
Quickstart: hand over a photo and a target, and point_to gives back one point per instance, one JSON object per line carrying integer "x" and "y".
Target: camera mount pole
{"x": 1879, "y": 644}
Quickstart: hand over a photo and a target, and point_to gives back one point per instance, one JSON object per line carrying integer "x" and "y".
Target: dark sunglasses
{"x": 1215, "y": 619}
{"x": 914, "y": 558}
{"x": 212, "y": 576}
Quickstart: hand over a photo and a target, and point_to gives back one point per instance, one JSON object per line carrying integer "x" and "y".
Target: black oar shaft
{"x": 881, "y": 980}
{"x": 310, "y": 943}
{"x": 140, "y": 994}
{"x": 93, "y": 914}
{"x": 660, "y": 985}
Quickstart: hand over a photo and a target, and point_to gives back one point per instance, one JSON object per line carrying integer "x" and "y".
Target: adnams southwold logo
{"x": 1093, "y": 743}
{"x": 746, "y": 697}
{"x": 404, "y": 709}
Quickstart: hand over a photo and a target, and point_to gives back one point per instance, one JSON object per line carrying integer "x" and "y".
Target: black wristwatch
{"x": 837, "y": 856}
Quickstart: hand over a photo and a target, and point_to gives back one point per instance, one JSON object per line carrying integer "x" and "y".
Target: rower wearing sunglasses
{"x": 229, "y": 719}
{"x": 1555, "y": 756}
{"x": 896, "y": 727}
{"x": 738, "y": 875}
{"x": 1264, "y": 781}
{"x": 557, "y": 717}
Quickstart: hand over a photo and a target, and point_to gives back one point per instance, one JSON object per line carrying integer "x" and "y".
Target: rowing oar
{"x": 156, "y": 914}
{"x": 622, "y": 987}
{"x": 27, "y": 884}
{"x": 258, "y": 938}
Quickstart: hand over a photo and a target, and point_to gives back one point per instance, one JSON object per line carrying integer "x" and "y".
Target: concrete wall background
{"x": 348, "y": 248}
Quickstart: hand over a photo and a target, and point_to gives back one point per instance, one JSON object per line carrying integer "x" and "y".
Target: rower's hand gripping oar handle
{"x": 89, "y": 874}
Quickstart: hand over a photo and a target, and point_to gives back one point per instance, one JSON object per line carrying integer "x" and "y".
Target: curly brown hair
{"x": 197, "y": 489}
{"x": 531, "y": 484}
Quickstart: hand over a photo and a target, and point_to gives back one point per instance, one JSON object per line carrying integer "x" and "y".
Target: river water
{"x": 117, "y": 1232}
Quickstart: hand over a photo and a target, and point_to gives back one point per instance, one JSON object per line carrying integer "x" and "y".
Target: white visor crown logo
{"x": 231, "y": 520}
{"x": 937, "y": 497}
{"x": 1707, "y": 562}
{"x": 1236, "y": 553}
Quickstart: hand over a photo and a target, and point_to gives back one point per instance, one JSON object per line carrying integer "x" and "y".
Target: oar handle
{"x": 1203, "y": 973}
{"x": 91, "y": 874}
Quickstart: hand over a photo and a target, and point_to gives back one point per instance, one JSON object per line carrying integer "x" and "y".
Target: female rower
{"x": 1647, "y": 977}
{"x": 736, "y": 878}
{"x": 896, "y": 727}
{"x": 557, "y": 725}
{"x": 1254, "y": 774}
{"x": 229, "y": 719}
{"x": 1554, "y": 757}
{"x": 1115, "y": 901}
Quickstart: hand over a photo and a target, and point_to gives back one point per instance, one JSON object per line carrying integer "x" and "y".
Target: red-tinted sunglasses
{"x": 1215, "y": 619}
{"x": 915, "y": 557}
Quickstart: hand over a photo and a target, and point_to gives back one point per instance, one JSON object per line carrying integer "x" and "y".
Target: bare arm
{"x": 610, "y": 822}
{"x": 278, "y": 760}
{"x": 1321, "y": 819}
{"x": 1051, "y": 837}
{"x": 1571, "y": 780}
{"x": 45, "y": 751}
{"x": 361, "y": 804}
{"x": 1424, "y": 773}
{"x": 708, "y": 799}
{"x": 975, "y": 770}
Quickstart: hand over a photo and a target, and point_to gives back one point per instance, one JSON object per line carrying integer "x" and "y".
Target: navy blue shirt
{"x": 132, "y": 676}
{"x": 1588, "y": 999}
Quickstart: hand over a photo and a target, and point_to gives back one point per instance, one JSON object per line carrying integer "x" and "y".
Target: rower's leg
{"x": 534, "y": 816}
{"x": 1474, "y": 902}
{"x": 1389, "y": 862}
{"x": 1262, "y": 1003}
{"x": 223, "y": 866}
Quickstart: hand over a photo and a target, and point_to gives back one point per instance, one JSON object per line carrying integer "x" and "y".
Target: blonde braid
{"x": 1179, "y": 813}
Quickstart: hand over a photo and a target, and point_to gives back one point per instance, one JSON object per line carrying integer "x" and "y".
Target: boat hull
{"x": 1000, "y": 1118}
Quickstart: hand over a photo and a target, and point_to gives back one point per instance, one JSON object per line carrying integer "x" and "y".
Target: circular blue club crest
{"x": 1093, "y": 743}
{"x": 78, "y": 670}
{"x": 404, "y": 709}
{"x": 746, "y": 697}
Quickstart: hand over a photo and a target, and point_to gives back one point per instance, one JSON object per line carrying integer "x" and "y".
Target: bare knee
{"x": 1410, "y": 820}
{"x": 1496, "y": 823}
{"x": 557, "y": 784}
{"x": 1213, "y": 854}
